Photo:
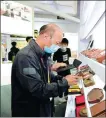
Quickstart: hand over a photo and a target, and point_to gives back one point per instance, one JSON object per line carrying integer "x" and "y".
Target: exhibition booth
{"x": 87, "y": 98}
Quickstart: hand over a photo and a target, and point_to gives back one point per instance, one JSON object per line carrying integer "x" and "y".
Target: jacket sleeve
{"x": 59, "y": 79}
{"x": 30, "y": 79}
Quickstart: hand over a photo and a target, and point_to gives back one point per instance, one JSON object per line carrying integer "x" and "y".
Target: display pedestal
{"x": 6, "y": 73}
{"x": 70, "y": 107}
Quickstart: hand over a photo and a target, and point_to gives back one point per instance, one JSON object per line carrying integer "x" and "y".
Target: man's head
{"x": 64, "y": 42}
{"x": 51, "y": 34}
{"x": 28, "y": 38}
{"x": 14, "y": 44}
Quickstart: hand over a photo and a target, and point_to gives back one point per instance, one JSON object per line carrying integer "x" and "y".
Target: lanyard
{"x": 48, "y": 70}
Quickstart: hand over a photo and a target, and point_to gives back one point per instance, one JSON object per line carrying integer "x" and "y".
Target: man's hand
{"x": 71, "y": 79}
{"x": 57, "y": 65}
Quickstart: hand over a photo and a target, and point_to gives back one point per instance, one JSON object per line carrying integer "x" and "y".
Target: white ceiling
{"x": 69, "y": 7}
{"x": 65, "y": 9}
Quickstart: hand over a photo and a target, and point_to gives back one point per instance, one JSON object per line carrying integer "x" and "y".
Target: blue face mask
{"x": 53, "y": 48}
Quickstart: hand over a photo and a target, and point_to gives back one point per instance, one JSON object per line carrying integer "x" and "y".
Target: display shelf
{"x": 98, "y": 84}
{"x": 97, "y": 67}
{"x": 70, "y": 107}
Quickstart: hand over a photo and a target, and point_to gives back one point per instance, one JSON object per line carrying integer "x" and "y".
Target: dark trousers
{"x": 60, "y": 110}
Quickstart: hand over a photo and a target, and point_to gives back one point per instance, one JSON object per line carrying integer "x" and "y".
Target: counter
{"x": 70, "y": 107}
{"x": 6, "y": 73}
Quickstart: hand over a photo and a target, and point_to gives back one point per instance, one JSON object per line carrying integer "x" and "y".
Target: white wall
{"x": 16, "y": 25}
{"x": 99, "y": 35}
{"x": 90, "y": 14}
{"x": 73, "y": 41}
{"x": 67, "y": 26}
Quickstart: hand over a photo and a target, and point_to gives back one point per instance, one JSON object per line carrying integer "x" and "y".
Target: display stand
{"x": 98, "y": 84}
{"x": 87, "y": 28}
{"x": 97, "y": 67}
{"x": 70, "y": 107}
{"x": 6, "y": 73}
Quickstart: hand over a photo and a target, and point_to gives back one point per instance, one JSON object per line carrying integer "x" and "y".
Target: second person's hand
{"x": 57, "y": 65}
{"x": 71, "y": 79}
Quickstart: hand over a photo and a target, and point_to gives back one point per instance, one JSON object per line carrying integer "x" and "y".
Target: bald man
{"x": 33, "y": 85}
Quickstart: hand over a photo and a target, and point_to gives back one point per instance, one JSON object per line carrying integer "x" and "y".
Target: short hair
{"x": 65, "y": 40}
{"x": 43, "y": 28}
{"x": 13, "y": 44}
{"x": 47, "y": 28}
{"x": 28, "y": 38}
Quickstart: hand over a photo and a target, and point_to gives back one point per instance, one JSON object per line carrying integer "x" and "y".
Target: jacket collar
{"x": 36, "y": 48}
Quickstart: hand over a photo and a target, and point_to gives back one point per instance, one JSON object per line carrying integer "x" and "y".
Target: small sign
{"x": 58, "y": 17}
{"x": 36, "y": 33}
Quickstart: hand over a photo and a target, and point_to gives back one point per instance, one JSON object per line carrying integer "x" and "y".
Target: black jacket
{"x": 30, "y": 90}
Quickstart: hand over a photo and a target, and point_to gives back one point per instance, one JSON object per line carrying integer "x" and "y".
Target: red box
{"x": 78, "y": 110}
{"x": 80, "y": 100}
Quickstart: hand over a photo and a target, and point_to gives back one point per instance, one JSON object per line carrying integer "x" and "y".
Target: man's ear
{"x": 45, "y": 35}
{"x": 51, "y": 35}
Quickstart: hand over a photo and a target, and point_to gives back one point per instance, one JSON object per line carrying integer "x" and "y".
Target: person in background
{"x": 13, "y": 51}
{"x": 12, "y": 13}
{"x": 62, "y": 55}
{"x": 29, "y": 38}
{"x": 33, "y": 86}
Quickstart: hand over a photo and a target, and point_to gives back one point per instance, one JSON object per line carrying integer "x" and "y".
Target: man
{"x": 33, "y": 86}
{"x": 62, "y": 55}
{"x": 28, "y": 38}
{"x": 13, "y": 51}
